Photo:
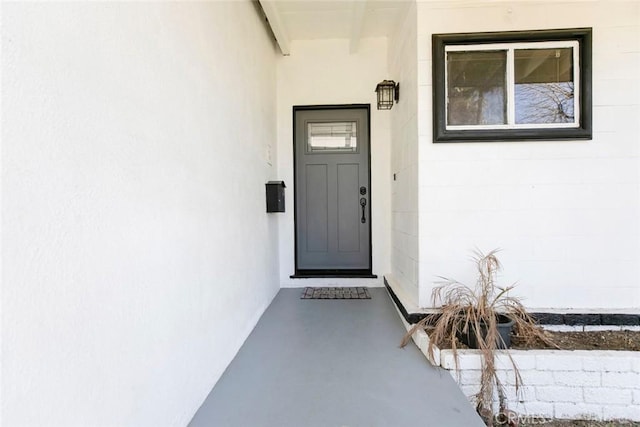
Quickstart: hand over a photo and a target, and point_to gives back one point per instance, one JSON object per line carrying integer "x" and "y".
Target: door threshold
{"x": 318, "y": 274}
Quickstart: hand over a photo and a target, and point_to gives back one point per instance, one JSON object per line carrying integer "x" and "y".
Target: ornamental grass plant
{"x": 466, "y": 310}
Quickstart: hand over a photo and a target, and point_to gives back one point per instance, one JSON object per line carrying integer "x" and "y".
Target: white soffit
{"x": 332, "y": 19}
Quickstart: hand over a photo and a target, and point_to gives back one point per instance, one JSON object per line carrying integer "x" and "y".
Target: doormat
{"x": 336, "y": 293}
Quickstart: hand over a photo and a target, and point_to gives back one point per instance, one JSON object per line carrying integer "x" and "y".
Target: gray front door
{"x": 333, "y": 219}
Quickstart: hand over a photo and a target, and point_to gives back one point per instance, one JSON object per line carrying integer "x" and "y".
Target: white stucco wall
{"x": 324, "y": 72}
{"x": 403, "y": 68}
{"x": 136, "y": 249}
{"x": 567, "y": 213}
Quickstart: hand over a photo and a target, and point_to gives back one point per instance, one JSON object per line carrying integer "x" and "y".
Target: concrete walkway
{"x": 332, "y": 363}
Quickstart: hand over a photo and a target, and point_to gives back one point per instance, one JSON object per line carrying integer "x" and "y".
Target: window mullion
{"x": 511, "y": 88}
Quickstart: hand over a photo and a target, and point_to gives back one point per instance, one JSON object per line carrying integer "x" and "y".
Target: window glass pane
{"x": 476, "y": 88}
{"x": 544, "y": 91}
{"x": 333, "y": 136}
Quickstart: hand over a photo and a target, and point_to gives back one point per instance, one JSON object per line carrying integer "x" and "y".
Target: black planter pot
{"x": 504, "y": 330}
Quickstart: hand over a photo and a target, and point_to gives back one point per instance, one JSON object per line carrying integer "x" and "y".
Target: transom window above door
{"x": 512, "y": 86}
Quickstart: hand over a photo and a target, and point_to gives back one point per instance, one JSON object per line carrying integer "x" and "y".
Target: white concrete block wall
{"x": 566, "y": 213}
{"x": 404, "y": 157}
{"x": 325, "y": 72}
{"x": 136, "y": 251}
{"x": 601, "y": 385}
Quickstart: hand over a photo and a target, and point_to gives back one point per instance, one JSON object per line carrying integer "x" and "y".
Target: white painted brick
{"x": 465, "y": 360}
{"x": 577, "y": 411}
{"x": 447, "y": 361}
{"x": 534, "y": 378}
{"x": 625, "y": 412}
{"x": 621, "y": 379}
{"x": 522, "y": 362}
{"x": 469, "y": 390}
{"x": 507, "y": 377}
{"x": 524, "y": 394}
{"x": 456, "y": 375}
{"x": 530, "y": 409}
{"x": 563, "y": 328}
{"x": 559, "y": 394}
{"x": 422, "y": 341}
{"x": 608, "y": 364}
{"x": 577, "y": 379}
{"x": 558, "y": 362}
{"x": 572, "y": 384}
{"x": 470, "y": 377}
{"x": 608, "y": 395}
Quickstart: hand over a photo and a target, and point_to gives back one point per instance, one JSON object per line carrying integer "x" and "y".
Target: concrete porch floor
{"x": 332, "y": 363}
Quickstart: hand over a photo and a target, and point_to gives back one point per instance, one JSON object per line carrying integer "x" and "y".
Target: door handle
{"x": 363, "y": 203}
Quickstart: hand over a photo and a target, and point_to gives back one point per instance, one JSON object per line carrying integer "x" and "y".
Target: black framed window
{"x": 509, "y": 86}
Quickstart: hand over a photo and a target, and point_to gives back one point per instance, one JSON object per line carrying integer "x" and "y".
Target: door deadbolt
{"x": 363, "y": 190}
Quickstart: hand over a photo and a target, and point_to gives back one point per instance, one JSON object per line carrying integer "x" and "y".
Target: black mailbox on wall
{"x": 275, "y": 196}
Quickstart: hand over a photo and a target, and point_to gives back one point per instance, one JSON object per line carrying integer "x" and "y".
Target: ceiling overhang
{"x": 277, "y": 26}
{"x": 351, "y": 20}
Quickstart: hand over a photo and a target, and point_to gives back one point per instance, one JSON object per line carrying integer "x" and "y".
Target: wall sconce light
{"x": 388, "y": 91}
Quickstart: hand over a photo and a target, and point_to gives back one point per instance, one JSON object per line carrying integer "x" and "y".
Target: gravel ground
{"x": 593, "y": 340}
